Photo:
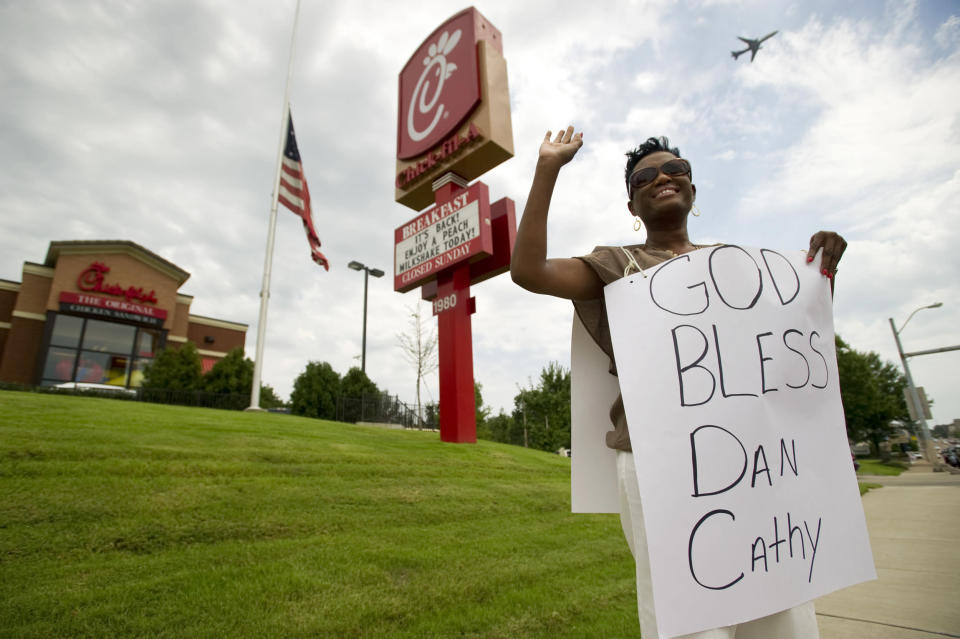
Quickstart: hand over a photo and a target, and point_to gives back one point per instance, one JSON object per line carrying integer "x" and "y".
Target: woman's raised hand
{"x": 568, "y": 277}
{"x": 833, "y": 247}
{"x": 562, "y": 148}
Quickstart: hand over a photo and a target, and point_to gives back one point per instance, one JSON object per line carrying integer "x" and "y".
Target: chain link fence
{"x": 385, "y": 409}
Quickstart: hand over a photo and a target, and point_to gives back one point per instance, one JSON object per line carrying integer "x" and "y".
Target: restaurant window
{"x": 108, "y": 337}
{"x": 147, "y": 345}
{"x": 66, "y": 331}
{"x": 60, "y": 364}
{"x": 93, "y": 351}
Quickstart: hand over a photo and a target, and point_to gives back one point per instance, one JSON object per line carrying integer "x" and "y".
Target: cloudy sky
{"x": 158, "y": 122}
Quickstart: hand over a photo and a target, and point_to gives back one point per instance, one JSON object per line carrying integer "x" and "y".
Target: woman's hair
{"x": 652, "y": 145}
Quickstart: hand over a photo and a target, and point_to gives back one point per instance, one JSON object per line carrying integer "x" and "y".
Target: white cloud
{"x": 876, "y": 99}
{"x": 948, "y": 35}
{"x": 158, "y": 123}
{"x": 647, "y": 81}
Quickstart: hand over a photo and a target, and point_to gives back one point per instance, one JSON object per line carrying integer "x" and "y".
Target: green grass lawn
{"x": 122, "y": 519}
{"x": 877, "y": 467}
{"x": 866, "y": 487}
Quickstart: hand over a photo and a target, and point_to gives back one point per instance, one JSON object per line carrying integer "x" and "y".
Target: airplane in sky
{"x": 752, "y": 46}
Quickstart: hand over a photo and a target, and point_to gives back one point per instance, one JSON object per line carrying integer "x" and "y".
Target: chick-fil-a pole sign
{"x": 728, "y": 370}
{"x": 445, "y": 234}
{"x": 453, "y": 125}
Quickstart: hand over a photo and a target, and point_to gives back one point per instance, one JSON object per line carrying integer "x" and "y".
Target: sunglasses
{"x": 646, "y": 175}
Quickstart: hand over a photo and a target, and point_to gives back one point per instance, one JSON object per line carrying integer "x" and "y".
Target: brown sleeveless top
{"x": 610, "y": 264}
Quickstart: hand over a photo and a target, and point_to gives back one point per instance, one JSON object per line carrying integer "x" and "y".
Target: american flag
{"x": 295, "y": 195}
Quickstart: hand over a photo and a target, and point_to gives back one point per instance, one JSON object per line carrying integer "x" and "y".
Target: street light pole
{"x": 927, "y": 442}
{"x": 367, "y": 272}
{"x": 363, "y": 348}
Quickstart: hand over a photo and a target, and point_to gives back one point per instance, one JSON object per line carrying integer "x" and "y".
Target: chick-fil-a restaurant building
{"x": 98, "y": 312}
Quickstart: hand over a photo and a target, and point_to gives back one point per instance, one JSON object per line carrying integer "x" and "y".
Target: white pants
{"x": 795, "y": 623}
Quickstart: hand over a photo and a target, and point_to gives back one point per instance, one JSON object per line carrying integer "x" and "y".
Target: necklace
{"x": 668, "y": 251}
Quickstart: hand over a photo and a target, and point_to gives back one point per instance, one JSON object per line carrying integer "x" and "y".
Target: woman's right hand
{"x": 568, "y": 277}
{"x": 562, "y": 148}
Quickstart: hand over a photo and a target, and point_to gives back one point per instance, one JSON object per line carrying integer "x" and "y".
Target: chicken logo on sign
{"x": 439, "y": 86}
{"x": 435, "y": 64}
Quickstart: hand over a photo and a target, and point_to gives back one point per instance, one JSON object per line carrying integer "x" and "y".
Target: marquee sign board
{"x": 84, "y": 304}
{"x": 503, "y": 222}
{"x": 454, "y": 108}
{"x": 442, "y": 236}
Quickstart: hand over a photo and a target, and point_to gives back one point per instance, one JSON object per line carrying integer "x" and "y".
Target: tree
{"x": 356, "y": 383}
{"x": 175, "y": 369}
{"x": 502, "y": 428}
{"x": 355, "y": 387}
{"x": 941, "y": 431}
{"x": 872, "y": 395}
{"x": 231, "y": 375}
{"x": 481, "y": 411}
{"x": 419, "y": 347}
{"x": 544, "y": 410}
{"x": 431, "y": 416}
{"x": 269, "y": 397}
{"x": 315, "y": 391}
{"x": 541, "y": 414}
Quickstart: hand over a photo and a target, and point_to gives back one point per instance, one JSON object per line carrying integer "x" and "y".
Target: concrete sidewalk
{"x": 914, "y": 524}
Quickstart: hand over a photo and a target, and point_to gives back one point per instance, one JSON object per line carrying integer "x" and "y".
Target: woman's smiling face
{"x": 666, "y": 196}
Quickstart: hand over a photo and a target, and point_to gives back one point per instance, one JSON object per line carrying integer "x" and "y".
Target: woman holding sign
{"x": 661, "y": 195}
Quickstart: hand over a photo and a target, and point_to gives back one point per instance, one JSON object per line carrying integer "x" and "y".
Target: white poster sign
{"x": 593, "y": 467}
{"x": 727, "y": 365}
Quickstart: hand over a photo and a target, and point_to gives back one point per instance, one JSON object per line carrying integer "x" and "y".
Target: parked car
{"x": 861, "y": 448}
{"x": 952, "y": 457}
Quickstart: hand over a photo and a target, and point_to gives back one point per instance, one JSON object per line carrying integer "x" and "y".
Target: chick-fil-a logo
{"x": 91, "y": 280}
{"x": 442, "y": 69}
{"x": 439, "y": 86}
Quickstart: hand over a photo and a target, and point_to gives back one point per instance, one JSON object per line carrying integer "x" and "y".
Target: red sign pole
{"x": 454, "y": 307}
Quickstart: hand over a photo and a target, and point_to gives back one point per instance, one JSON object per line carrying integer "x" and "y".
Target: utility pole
{"x": 925, "y": 437}
{"x": 925, "y": 441}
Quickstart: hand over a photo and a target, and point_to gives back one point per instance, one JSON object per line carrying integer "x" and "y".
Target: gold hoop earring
{"x": 696, "y": 211}
{"x": 637, "y": 224}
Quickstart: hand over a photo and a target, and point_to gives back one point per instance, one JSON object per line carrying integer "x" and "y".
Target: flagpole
{"x": 271, "y": 233}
